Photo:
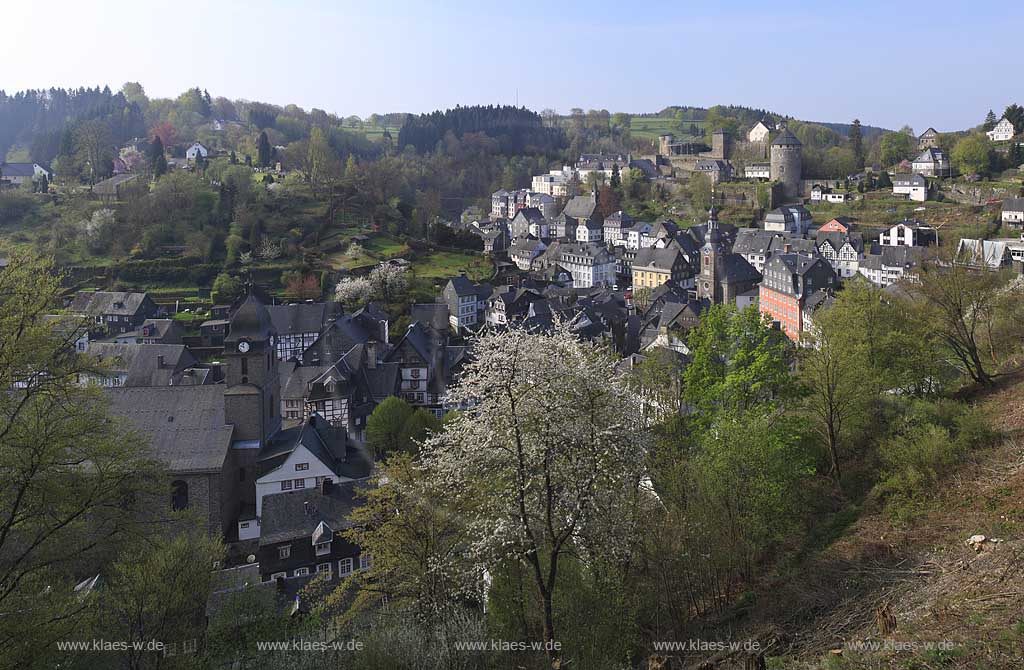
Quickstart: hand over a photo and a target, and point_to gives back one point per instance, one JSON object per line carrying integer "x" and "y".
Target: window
{"x": 301, "y": 572}
{"x": 245, "y": 366}
{"x": 179, "y": 495}
{"x": 322, "y": 548}
{"x": 345, "y": 567}
{"x": 365, "y": 561}
{"x": 300, "y": 483}
{"x": 285, "y": 551}
{"x": 244, "y": 524}
{"x": 302, "y": 466}
{"x": 415, "y": 373}
{"x": 278, "y": 575}
{"x": 286, "y": 485}
{"x": 325, "y": 568}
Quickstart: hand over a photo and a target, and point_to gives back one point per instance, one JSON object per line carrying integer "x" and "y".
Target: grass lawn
{"x": 379, "y": 247}
{"x": 445, "y": 264}
{"x": 650, "y": 127}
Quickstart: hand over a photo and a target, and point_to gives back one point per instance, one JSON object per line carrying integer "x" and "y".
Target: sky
{"x": 942, "y": 64}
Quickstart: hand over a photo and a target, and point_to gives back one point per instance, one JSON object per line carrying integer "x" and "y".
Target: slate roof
{"x": 909, "y": 180}
{"x": 286, "y": 516}
{"x": 462, "y": 286}
{"x": 752, "y": 241}
{"x": 250, "y": 320}
{"x": 95, "y": 303}
{"x": 1013, "y": 205}
{"x": 324, "y": 442}
{"x": 184, "y": 424}
{"x": 432, "y": 314}
{"x": 300, "y": 317}
{"x": 659, "y": 259}
{"x": 888, "y": 256}
{"x": 109, "y": 186}
{"x": 17, "y": 169}
{"x": 141, "y": 362}
{"x": 734, "y": 268}
{"x": 580, "y": 207}
{"x": 786, "y": 138}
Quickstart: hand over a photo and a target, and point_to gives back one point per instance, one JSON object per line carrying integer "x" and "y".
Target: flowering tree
{"x": 547, "y": 455}
{"x": 388, "y": 281}
{"x": 353, "y": 291}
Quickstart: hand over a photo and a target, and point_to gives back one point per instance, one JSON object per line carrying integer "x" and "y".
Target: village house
{"x": 1013, "y": 212}
{"x": 145, "y": 365}
{"x": 524, "y": 251}
{"x": 425, "y": 361}
{"x": 821, "y": 193}
{"x": 758, "y": 171}
{"x": 890, "y": 264}
{"x": 495, "y": 236}
{"x": 794, "y": 219}
{"x": 298, "y": 325}
{"x": 303, "y": 533}
{"x": 590, "y": 264}
{"x": 195, "y": 150}
{"x": 602, "y": 165}
{"x": 653, "y": 267}
{"x": 17, "y": 174}
{"x": 153, "y": 331}
{"x": 910, "y": 233}
{"x": 1002, "y": 132}
{"x": 841, "y": 224}
{"x": 932, "y": 162}
{"x": 789, "y": 281}
{"x": 116, "y": 311}
{"x": 529, "y": 221}
{"x": 912, "y": 186}
{"x": 555, "y": 183}
{"x": 615, "y": 227}
{"x": 716, "y": 170}
{"x": 928, "y": 139}
{"x": 842, "y": 250}
{"x": 637, "y": 234}
{"x": 761, "y": 130}
{"x": 466, "y": 302}
{"x": 113, "y": 189}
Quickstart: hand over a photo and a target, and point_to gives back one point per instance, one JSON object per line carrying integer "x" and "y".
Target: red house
{"x": 789, "y": 280}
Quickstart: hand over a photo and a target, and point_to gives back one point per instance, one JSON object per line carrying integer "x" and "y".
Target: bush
{"x": 933, "y": 439}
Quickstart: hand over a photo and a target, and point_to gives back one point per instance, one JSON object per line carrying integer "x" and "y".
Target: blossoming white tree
{"x": 546, "y": 453}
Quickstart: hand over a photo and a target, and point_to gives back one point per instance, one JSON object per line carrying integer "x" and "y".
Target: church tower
{"x": 710, "y": 258}
{"x": 253, "y": 395}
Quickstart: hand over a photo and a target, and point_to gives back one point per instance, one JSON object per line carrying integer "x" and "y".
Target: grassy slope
{"x": 650, "y": 127}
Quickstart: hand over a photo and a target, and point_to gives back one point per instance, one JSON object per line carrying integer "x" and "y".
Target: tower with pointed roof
{"x": 710, "y": 256}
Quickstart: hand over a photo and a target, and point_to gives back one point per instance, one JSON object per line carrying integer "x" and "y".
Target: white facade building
{"x": 1002, "y": 132}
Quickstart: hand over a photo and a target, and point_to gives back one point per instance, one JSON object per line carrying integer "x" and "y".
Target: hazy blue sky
{"x": 941, "y": 64}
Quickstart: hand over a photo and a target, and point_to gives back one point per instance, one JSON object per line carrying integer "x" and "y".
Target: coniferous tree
{"x": 990, "y": 121}
{"x": 857, "y": 144}
{"x": 263, "y": 150}
{"x": 157, "y": 160}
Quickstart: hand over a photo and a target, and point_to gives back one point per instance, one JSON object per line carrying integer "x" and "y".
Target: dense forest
{"x": 516, "y": 130}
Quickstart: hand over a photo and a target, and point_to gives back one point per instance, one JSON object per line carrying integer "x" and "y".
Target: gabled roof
{"x": 144, "y": 364}
{"x": 580, "y": 207}
{"x": 251, "y": 320}
{"x": 17, "y": 169}
{"x": 184, "y": 425}
{"x": 1013, "y": 205}
{"x": 300, "y": 318}
{"x": 462, "y": 286}
{"x": 326, "y": 443}
{"x": 95, "y": 303}
{"x": 296, "y": 515}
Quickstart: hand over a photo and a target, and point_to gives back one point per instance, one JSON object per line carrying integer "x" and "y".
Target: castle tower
{"x": 720, "y": 145}
{"x": 663, "y": 144}
{"x": 787, "y": 162}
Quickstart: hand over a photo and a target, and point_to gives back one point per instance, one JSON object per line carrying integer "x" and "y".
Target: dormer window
{"x": 322, "y": 548}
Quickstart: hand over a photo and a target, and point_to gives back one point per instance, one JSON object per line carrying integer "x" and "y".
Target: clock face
{"x": 243, "y": 346}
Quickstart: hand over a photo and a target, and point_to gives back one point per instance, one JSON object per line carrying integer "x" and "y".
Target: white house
{"x": 19, "y": 173}
{"x": 196, "y": 149}
{"x": 555, "y": 183}
{"x": 821, "y": 193}
{"x": 932, "y": 162}
{"x": 758, "y": 171}
{"x": 301, "y": 469}
{"x": 843, "y": 251}
{"x": 790, "y": 219}
{"x": 589, "y": 264}
{"x": 637, "y": 235}
{"x": 908, "y": 234}
{"x": 1002, "y": 132}
{"x": 913, "y": 186}
{"x": 1013, "y": 211}
{"x": 760, "y": 132}
{"x": 890, "y": 265}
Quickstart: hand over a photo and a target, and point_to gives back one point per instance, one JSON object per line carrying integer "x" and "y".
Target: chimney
{"x": 326, "y": 486}
{"x": 307, "y": 508}
{"x": 371, "y": 354}
{"x": 787, "y": 248}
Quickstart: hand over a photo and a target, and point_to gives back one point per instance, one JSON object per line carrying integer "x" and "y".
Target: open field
{"x": 649, "y": 128}
{"x": 445, "y": 264}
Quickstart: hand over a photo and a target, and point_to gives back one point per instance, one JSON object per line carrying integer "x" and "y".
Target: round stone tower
{"x": 787, "y": 162}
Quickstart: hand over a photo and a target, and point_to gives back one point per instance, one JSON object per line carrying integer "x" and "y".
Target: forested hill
{"x": 516, "y": 130}
{"x": 39, "y": 120}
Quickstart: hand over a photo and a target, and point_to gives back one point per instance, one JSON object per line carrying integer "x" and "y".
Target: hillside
{"x": 947, "y": 604}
